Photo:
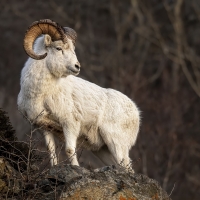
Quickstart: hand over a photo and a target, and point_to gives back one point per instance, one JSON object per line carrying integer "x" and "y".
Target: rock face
{"x": 65, "y": 182}
{"x": 74, "y": 182}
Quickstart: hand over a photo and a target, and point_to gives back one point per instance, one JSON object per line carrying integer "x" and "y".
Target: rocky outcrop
{"x": 69, "y": 182}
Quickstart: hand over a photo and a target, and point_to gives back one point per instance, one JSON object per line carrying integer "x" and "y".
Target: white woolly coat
{"x": 69, "y": 105}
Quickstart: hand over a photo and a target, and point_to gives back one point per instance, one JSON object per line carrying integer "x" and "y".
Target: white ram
{"x": 104, "y": 121}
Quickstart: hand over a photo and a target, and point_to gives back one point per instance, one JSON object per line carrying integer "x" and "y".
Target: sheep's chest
{"x": 48, "y": 123}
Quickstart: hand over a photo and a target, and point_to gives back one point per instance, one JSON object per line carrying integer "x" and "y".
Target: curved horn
{"x": 45, "y": 26}
{"x": 71, "y": 33}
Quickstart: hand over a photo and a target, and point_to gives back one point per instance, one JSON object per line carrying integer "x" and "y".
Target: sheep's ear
{"x": 47, "y": 40}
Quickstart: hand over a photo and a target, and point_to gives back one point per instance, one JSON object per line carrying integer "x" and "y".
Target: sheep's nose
{"x": 77, "y": 66}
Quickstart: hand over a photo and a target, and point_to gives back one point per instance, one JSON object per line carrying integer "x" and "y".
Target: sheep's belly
{"x": 90, "y": 138}
{"x": 85, "y": 143}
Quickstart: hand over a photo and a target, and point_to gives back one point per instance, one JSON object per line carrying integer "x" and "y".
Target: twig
{"x": 172, "y": 189}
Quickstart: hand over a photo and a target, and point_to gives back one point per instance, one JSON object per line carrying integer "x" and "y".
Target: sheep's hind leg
{"x": 117, "y": 148}
{"x": 50, "y": 142}
{"x": 105, "y": 156}
{"x": 121, "y": 155}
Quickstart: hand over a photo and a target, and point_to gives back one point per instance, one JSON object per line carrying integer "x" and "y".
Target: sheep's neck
{"x": 39, "y": 81}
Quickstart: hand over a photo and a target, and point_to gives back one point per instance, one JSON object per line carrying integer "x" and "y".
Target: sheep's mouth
{"x": 74, "y": 71}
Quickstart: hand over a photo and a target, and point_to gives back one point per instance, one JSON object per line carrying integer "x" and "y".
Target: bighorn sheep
{"x": 104, "y": 121}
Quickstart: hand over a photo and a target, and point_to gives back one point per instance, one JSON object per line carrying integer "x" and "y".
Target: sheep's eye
{"x": 59, "y": 49}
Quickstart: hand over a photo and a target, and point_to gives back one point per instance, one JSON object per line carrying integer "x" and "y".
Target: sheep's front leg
{"x": 70, "y": 145}
{"x": 50, "y": 142}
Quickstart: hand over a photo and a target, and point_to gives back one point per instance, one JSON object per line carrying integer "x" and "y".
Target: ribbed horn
{"x": 45, "y": 26}
{"x": 71, "y": 33}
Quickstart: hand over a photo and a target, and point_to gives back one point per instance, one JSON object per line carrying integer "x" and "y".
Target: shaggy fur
{"x": 104, "y": 121}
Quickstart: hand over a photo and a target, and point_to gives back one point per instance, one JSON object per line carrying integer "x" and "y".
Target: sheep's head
{"x": 59, "y": 44}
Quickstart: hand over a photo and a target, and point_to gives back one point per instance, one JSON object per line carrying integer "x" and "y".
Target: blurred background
{"x": 147, "y": 49}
